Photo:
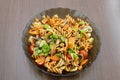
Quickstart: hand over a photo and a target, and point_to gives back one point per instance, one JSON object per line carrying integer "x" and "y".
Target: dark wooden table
{"x": 14, "y": 14}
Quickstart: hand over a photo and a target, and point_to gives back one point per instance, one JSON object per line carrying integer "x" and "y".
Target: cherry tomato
{"x": 83, "y": 53}
{"x": 40, "y": 61}
{"x": 69, "y": 56}
{"x": 31, "y": 49}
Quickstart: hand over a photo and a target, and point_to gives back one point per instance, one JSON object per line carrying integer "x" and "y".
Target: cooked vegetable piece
{"x": 36, "y": 19}
{"x": 54, "y": 36}
{"x": 83, "y": 31}
{"x": 60, "y": 44}
{"x": 76, "y": 29}
{"x": 91, "y": 40}
{"x": 45, "y": 48}
{"x": 78, "y": 47}
{"x": 72, "y": 53}
{"x": 42, "y": 43}
{"x": 87, "y": 29}
{"x": 63, "y": 38}
{"x": 59, "y": 54}
{"x": 69, "y": 56}
{"x": 82, "y": 22}
{"x": 46, "y": 54}
{"x": 40, "y": 61}
{"x": 55, "y": 58}
{"x": 31, "y": 49}
{"x": 81, "y": 35}
{"x": 47, "y": 27}
{"x": 37, "y": 51}
{"x": 71, "y": 42}
{"x": 83, "y": 53}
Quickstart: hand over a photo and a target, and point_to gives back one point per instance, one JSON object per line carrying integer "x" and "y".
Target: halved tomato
{"x": 84, "y": 53}
{"x": 40, "y": 61}
{"x": 69, "y": 56}
{"x": 31, "y": 49}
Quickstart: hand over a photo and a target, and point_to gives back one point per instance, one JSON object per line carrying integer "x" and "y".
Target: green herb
{"x": 47, "y": 27}
{"x": 36, "y": 48}
{"x": 59, "y": 54}
{"x": 63, "y": 38}
{"x": 72, "y": 53}
{"x": 76, "y": 29}
{"x": 91, "y": 40}
{"x": 78, "y": 48}
{"x": 81, "y": 35}
{"x": 54, "y": 36}
{"x": 45, "y": 48}
{"x": 82, "y": 22}
{"x": 46, "y": 54}
{"x": 37, "y": 51}
{"x": 52, "y": 44}
{"x": 71, "y": 50}
{"x": 42, "y": 43}
{"x": 83, "y": 30}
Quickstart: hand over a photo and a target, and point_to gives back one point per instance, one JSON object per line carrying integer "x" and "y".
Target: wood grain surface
{"x": 14, "y": 15}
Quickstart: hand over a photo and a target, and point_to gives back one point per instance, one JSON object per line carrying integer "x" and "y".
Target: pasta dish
{"x": 60, "y": 45}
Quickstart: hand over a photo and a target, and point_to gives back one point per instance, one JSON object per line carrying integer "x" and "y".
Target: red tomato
{"x": 69, "y": 56}
{"x": 40, "y": 61}
{"x": 31, "y": 49}
{"x": 83, "y": 53}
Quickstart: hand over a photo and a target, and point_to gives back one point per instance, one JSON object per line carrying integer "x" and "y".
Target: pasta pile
{"x": 60, "y": 45}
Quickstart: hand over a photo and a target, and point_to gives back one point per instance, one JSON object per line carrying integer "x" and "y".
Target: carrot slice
{"x": 55, "y": 58}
